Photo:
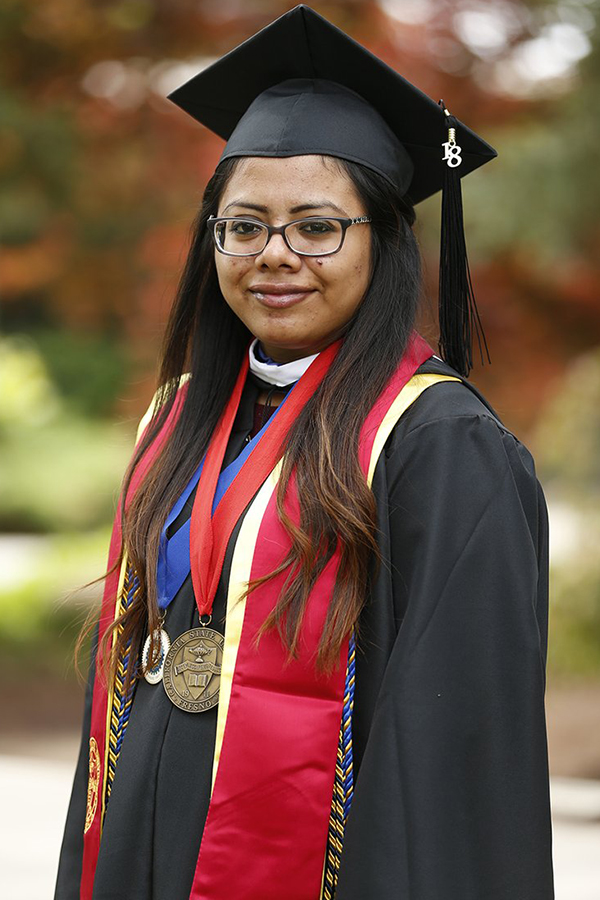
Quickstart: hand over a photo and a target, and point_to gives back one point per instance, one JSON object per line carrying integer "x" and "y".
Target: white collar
{"x": 279, "y": 375}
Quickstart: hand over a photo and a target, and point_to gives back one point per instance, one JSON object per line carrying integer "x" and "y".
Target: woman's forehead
{"x": 291, "y": 181}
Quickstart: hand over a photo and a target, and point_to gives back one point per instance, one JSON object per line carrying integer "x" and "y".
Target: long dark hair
{"x": 204, "y": 337}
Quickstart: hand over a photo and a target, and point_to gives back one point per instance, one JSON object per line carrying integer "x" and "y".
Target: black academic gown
{"x": 451, "y": 794}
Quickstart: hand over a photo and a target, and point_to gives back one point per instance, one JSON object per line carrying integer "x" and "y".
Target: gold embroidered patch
{"x": 93, "y": 783}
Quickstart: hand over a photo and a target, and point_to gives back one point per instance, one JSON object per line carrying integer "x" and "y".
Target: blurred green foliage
{"x": 42, "y": 613}
{"x": 28, "y": 395}
{"x": 567, "y": 444}
{"x": 59, "y": 470}
{"x": 568, "y": 433}
{"x": 64, "y": 475}
{"x": 574, "y": 634}
{"x": 88, "y": 370}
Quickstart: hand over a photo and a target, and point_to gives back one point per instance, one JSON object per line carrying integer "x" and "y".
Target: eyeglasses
{"x": 313, "y": 236}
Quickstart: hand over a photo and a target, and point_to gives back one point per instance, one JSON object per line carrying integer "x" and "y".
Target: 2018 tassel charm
{"x": 458, "y": 314}
{"x": 452, "y": 152}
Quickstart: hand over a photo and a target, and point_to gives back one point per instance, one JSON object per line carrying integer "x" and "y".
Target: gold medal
{"x": 192, "y": 670}
{"x": 153, "y": 675}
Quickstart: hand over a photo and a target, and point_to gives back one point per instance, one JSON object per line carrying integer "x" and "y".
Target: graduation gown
{"x": 451, "y": 798}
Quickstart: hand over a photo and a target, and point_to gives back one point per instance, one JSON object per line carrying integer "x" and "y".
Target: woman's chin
{"x": 282, "y": 354}
{"x": 285, "y": 346}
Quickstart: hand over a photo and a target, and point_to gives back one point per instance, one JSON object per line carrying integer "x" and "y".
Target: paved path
{"x": 34, "y": 796}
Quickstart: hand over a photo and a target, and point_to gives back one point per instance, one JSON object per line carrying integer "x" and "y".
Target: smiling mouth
{"x": 280, "y": 299}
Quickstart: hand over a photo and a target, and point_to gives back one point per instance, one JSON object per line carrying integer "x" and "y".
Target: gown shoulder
{"x": 454, "y": 421}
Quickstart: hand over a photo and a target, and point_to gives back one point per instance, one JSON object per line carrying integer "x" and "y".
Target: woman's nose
{"x": 277, "y": 253}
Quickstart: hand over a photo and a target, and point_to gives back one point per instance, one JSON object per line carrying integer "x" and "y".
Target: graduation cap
{"x": 302, "y": 86}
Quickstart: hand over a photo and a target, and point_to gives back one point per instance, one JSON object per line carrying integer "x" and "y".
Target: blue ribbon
{"x": 174, "y": 552}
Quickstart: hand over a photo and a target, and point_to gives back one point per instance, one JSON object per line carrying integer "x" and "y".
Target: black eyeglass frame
{"x": 281, "y": 229}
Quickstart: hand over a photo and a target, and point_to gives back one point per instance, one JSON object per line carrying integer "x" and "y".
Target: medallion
{"x": 192, "y": 671}
{"x": 154, "y": 675}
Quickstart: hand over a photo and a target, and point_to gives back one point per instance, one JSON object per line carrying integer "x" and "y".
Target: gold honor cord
{"x": 343, "y": 785}
{"x": 119, "y": 704}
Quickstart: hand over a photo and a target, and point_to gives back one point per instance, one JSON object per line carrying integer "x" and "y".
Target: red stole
{"x": 266, "y": 829}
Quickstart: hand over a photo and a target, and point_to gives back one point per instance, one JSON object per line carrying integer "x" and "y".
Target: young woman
{"x": 319, "y": 666}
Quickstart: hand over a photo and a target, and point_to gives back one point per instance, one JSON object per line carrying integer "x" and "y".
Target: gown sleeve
{"x": 451, "y": 799}
{"x": 71, "y": 853}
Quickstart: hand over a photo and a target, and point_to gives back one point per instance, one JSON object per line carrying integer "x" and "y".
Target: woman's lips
{"x": 280, "y": 299}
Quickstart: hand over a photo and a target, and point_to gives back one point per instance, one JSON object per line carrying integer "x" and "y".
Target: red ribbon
{"x": 209, "y": 534}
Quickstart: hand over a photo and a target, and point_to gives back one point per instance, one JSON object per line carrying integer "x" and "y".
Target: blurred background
{"x": 100, "y": 177}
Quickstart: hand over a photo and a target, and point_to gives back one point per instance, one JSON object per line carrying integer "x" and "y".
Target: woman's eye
{"x": 322, "y": 226}
{"x": 244, "y": 229}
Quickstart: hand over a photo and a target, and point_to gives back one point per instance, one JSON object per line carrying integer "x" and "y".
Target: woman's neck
{"x": 272, "y": 372}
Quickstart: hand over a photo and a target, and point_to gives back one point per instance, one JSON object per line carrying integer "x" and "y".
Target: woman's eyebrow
{"x": 245, "y": 204}
{"x": 315, "y": 204}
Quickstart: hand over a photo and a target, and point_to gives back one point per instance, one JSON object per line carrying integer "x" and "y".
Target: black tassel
{"x": 458, "y": 313}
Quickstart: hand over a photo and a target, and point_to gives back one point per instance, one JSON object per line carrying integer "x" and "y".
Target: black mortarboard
{"x": 302, "y": 86}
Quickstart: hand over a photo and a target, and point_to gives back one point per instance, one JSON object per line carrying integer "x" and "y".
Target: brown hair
{"x": 205, "y": 337}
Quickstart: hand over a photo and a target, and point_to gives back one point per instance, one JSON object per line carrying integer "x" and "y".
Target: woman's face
{"x": 319, "y": 294}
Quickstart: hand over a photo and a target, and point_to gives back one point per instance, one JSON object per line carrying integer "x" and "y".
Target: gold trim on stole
{"x": 239, "y": 577}
{"x": 146, "y": 418}
{"x": 407, "y": 396}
